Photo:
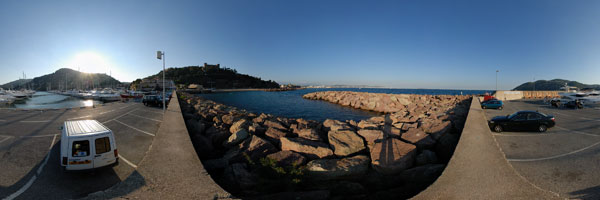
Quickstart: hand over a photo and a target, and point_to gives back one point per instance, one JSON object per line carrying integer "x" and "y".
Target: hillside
{"x": 213, "y": 76}
{"x": 68, "y": 78}
{"x": 554, "y": 84}
{"x": 16, "y": 84}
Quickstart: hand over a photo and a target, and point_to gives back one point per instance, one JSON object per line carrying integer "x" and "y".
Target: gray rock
{"x": 310, "y": 149}
{"x": 345, "y": 142}
{"x": 392, "y": 156}
{"x": 238, "y": 125}
{"x": 287, "y": 158}
{"x": 335, "y": 169}
{"x": 426, "y": 157}
{"x": 236, "y": 138}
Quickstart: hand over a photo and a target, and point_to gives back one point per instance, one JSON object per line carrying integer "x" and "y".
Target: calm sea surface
{"x": 291, "y": 104}
{"x": 46, "y": 100}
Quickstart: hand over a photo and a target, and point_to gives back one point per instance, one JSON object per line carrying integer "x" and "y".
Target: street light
{"x": 161, "y": 56}
{"x": 497, "y": 80}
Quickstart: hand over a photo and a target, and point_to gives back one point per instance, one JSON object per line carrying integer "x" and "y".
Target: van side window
{"x": 81, "y": 148}
{"x": 102, "y": 145}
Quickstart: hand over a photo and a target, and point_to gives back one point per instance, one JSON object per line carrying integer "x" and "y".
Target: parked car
{"x": 522, "y": 121}
{"x": 574, "y": 104}
{"x": 493, "y": 104}
{"x": 87, "y": 144}
{"x": 152, "y": 100}
{"x": 488, "y": 98}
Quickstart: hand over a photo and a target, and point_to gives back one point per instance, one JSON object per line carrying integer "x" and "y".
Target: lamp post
{"x": 161, "y": 56}
{"x": 497, "y": 80}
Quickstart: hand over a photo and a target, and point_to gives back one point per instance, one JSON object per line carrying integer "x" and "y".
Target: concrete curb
{"x": 479, "y": 170}
{"x": 171, "y": 168}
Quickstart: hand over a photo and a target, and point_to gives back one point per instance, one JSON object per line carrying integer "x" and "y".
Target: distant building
{"x": 209, "y": 67}
{"x": 195, "y": 87}
{"x": 149, "y": 85}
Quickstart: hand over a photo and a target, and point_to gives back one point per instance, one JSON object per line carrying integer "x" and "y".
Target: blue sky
{"x": 401, "y": 44}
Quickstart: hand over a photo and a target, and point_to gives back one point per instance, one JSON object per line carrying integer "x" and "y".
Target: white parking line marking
{"x": 128, "y": 162}
{"x": 134, "y": 128}
{"x": 145, "y": 117}
{"x": 521, "y": 135}
{"x": 41, "y": 121}
{"x": 34, "y": 177}
{"x": 80, "y": 117}
{"x": 20, "y": 191}
{"x": 578, "y": 132}
{"x": 553, "y": 157}
{"x": 33, "y": 136}
{"x": 153, "y": 111}
{"x": 120, "y": 116}
{"x": 5, "y": 138}
{"x": 1, "y": 120}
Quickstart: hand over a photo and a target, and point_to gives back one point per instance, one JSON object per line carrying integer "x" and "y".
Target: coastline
{"x": 256, "y": 155}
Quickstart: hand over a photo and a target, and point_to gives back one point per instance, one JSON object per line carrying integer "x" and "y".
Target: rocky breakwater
{"x": 261, "y": 156}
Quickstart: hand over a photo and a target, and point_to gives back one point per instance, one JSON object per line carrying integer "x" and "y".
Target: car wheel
{"x": 542, "y": 128}
{"x": 483, "y": 107}
{"x": 498, "y": 128}
{"x": 500, "y": 108}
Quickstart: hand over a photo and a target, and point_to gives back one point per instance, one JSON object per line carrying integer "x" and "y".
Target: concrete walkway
{"x": 479, "y": 170}
{"x": 171, "y": 168}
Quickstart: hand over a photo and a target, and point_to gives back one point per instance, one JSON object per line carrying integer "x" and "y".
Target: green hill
{"x": 554, "y": 84}
{"x": 18, "y": 84}
{"x": 70, "y": 79}
{"x": 213, "y": 76}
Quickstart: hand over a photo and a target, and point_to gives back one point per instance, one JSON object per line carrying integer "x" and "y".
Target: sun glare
{"x": 89, "y": 62}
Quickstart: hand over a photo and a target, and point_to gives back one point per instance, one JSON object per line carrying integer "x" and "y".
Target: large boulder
{"x": 238, "y": 125}
{"x": 274, "y": 124}
{"x": 311, "y": 149}
{"x": 254, "y": 147}
{"x": 236, "y": 138}
{"x": 425, "y": 174}
{"x": 287, "y": 158}
{"x": 437, "y": 128}
{"x": 371, "y": 136}
{"x": 426, "y": 157}
{"x": 367, "y": 125}
{"x": 391, "y": 156}
{"x": 308, "y": 133}
{"x": 445, "y": 146}
{"x": 419, "y": 138}
{"x": 334, "y": 125}
{"x": 217, "y": 135}
{"x": 273, "y": 134}
{"x": 228, "y": 119}
{"x": 345, "y": 142}
{"x": 238, "y": 174}
{"x": 256, "y": 129}
{"x": 335, "y": 169}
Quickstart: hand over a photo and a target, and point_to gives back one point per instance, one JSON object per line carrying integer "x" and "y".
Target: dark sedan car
{"x": 522, "y": 121}
{"x": 152, "y": 100}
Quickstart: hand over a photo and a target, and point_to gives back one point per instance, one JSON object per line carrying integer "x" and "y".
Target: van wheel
{"x": 500, "y": 108}
{"x": 483, "y": 107}
{"x": 498, "y": 128}
{"x": 542, "y": 128}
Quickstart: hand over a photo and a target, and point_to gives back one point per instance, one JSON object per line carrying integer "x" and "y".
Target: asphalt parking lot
{"x": 565, "y": 159}
{"x": 30, "y": 145}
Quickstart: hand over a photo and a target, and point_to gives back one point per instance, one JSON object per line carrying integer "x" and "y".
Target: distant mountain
{"x": 213, "y": 76}
{"x": 554, "y": 84}
{"x": 66, "y": 79}
{"x": 16, "y": 84}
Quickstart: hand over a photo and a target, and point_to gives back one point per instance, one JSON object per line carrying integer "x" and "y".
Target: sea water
{"x": 291, "y": 104}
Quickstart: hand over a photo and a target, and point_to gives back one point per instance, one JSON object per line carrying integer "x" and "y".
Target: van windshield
{"x": 81, "y": 148}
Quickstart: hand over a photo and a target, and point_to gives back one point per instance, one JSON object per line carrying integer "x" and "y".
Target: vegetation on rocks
{"x": 258, "y": 156}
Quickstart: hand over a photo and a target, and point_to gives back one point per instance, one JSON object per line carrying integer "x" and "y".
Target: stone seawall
{"x": 394, "y": 155}
{"x": 388, "y": 103}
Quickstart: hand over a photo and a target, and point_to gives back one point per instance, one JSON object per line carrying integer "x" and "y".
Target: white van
{"x": 87, "y": 144}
